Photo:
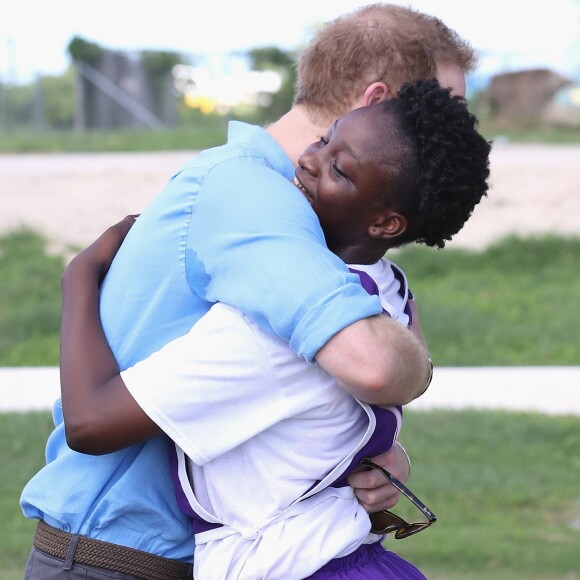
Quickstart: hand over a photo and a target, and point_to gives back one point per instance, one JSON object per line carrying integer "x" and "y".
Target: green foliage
{"x": 281, "y": 102}
{"x": 58, "y": 100}
{"x": 47, "y": 103}
{"x": 81, "y": 50}
{"x": 282, "y": 62}
{"x": 29, "y": 301}
{"x": 158, "y": 64}
{"x": 271, "y": 58}
{"x": 17, "y": 104}
{"x": 509, "y": 305}
{"x": 19, "y": 115}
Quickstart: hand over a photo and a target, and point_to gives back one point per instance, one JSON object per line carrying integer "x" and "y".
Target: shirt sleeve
{"x": 211, "y": 389}
{"x": 261, "y": 249}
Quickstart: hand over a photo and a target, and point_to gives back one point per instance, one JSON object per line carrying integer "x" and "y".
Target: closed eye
{"x": 338, "y": 171}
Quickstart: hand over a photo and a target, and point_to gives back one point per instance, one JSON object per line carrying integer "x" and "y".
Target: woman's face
{"x": 346, "y": 174}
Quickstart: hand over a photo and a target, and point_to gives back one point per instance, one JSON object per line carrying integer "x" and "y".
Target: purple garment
{"x": 368, "y": 562}
{"x": 371, "y": 287}
{"x": 380, "y": 441}
{"x": 198, "y": 523}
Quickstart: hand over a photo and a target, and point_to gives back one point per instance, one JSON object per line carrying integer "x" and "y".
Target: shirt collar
{"x": 258, "y": 138}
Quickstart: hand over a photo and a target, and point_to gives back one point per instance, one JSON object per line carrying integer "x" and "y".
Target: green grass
{"x": 22, "y": 441}
{"x": 534, "y": 134}
{"x": 202, "y": 135}
{"x": 503, "y": 485}
{"x": 29, "y": 301}
{"x": 505, "y": 489}
{"x": 520, "y": 131}
{"x": 514, "y": 304}
{"x": 206, "y": 131}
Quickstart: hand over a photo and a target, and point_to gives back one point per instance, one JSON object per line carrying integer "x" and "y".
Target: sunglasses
{"x": 386, "y": 522}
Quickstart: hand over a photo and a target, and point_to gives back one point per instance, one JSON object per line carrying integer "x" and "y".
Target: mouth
{"x": 306, "y": 193}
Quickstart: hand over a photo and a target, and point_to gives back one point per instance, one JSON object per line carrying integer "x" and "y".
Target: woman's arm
{"x": 100, "y": 414}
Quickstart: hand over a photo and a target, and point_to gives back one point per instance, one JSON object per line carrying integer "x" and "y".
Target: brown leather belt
{"x": 83, "y": 550}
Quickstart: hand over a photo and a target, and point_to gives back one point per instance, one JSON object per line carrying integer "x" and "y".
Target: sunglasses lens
{"x": 385, "y": 522}
{"x": 411, "y": 529}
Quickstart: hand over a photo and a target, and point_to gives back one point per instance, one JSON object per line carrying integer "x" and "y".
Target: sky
{"x": 508, "y": 34}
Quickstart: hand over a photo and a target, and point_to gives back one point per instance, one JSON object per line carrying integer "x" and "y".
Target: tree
{"x": 81, "y": 50}
{"x": 274, "y": 59}
{"x": 58, "y": 100}
{"x": 158, "y": 68}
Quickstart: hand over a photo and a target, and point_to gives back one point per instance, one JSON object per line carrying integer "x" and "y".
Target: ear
{"x": 388, "y": 225}
{"x": 375, "y": 93}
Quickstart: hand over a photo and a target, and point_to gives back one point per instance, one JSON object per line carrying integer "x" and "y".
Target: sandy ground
{"x": 72, "y": 198}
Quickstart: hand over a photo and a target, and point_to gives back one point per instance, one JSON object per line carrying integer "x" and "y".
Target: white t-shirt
{"x": 260, "y": 435}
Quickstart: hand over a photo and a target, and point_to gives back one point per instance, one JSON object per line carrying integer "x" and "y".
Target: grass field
{"x": 209, "y": 130}
{"x": 206, "y": 132}
{"x": 503, "y": 485}
{"x": 514, "y": 304}
{"x": 22, "y": 440}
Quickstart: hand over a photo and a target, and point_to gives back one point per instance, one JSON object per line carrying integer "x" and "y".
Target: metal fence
{"x": 119, "y": 92}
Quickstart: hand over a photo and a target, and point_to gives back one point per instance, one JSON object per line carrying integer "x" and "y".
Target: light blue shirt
{"x": 228, "y": 227}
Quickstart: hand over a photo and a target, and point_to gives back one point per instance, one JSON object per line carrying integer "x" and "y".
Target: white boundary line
{"x": 550, "y": 390}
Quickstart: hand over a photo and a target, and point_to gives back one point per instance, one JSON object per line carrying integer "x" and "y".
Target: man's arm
{"x": 378, "y": 360}
{"x": 400, "y": 375}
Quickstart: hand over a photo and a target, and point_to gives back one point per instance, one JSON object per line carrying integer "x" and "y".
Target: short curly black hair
{"x": 447, "y": 166}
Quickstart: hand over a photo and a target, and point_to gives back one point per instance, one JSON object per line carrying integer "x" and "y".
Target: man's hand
{"x": 415, "y": 324}
{"x": 373, "y": 491}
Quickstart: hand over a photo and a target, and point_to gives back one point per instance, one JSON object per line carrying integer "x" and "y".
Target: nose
{"x": 309, "y": 162}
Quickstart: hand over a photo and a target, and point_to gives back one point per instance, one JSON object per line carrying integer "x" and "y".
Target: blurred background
{"x": 112, "y": 65}
{"x": 100, "y": 103}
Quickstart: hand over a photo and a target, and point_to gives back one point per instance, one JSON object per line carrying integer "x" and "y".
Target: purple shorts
{"x": 369, "y": 562}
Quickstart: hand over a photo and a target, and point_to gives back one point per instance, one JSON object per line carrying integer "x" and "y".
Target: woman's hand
{"x": 100, "y": 415}
{"x": 98, "y": 257}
